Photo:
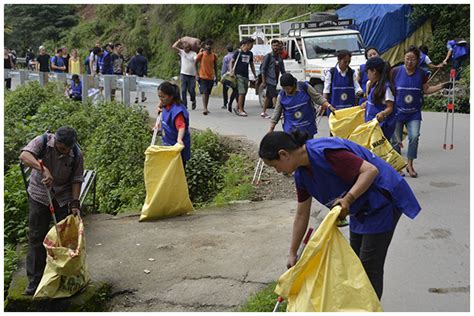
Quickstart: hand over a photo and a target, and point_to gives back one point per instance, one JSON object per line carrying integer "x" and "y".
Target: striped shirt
{"x": 61, "y": 167}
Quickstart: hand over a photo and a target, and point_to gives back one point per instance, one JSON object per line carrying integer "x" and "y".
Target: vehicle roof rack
{"x": 297, "y": 27}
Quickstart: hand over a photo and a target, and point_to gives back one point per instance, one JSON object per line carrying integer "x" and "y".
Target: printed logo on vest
{"x": 408, "y": 99}
{"x": 298, "y": 115}
{"x": 344, "y": 96}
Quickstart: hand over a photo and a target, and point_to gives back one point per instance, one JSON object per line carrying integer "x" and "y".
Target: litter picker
{"x": 450, "y": 109}
{"x": 432, "y": 75}
{"x": 298, "y": 254}
{"x": 51, "y": 206}
{"x": 258, "y": 171}
{"x": 156, "y": 128}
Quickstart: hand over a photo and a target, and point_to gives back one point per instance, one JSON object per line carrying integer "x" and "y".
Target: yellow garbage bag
{"x": 370, "y": 136}
{"x": 165, "y": 182}
{"x": 66, "y": 271}
{"x": 344, "y": 121}
{"x": 329, "y": 276}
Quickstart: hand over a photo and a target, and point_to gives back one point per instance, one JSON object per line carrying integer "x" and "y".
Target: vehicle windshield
{"x": 327, "y": 46}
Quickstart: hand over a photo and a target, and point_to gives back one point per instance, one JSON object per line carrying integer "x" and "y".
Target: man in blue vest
{"x": 458, "y": 52}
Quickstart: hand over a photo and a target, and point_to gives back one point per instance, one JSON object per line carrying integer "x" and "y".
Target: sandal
{"x": 206, "y": 112}
{"x": 243, "y": 114}
{"x": 412, "y": 173}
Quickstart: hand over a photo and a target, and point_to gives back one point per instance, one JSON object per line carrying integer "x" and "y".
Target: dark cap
{"x": 66, "y": 135}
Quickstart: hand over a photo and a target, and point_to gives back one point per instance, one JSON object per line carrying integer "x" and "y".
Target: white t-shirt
{"x": 328, "y": 80}
{"x": 388, "y": 93}
{"x": 188, "y": 66}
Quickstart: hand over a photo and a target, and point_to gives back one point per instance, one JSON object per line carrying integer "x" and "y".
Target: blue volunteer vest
{"x": 76, "y": 89}
{"x": 363, "y": 82}
{"x": 372, "y": 109}
{"x": 170, "y": 133}
{"x": 409, "y": 98}
{"x": 105, "y": 68}
{"x": 422, "y": 61}
{"x": 298, "y": 111}
{"x": 342, "y": 90}
{"x": 460, "y": 51}
{"x": 375, "y": 211}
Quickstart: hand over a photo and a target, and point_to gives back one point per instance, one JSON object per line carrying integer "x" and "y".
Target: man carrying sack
{"x": 62, "y": 158}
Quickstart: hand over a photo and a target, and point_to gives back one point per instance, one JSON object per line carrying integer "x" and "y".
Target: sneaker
{"x": 243, "y": 114}
{"x": 264, "y": 115}
{"x": 342, "y": 222}
{"x": 223, "y": 107}
{"x": 30, "y": 289}
{"x": 193, "y": 106}
{"x": 229, "y": 107}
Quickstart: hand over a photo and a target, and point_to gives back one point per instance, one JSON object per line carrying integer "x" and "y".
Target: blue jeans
{"x": 188, "y": 84}
{"x": 413, "y": 128}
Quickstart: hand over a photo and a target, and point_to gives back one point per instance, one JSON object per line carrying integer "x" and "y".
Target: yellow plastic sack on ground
{"x": 66, "y": 270}
{"x": 165, "y": 182}
{"x": 344, "y": 121}
{"x": 370, "y": 136}
{"x": 329, "y": 276}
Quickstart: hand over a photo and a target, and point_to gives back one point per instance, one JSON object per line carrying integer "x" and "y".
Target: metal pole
{"x": 85, "y": 88}
{"x": 108, "y": 87}
{"x": 23, "y": 76}
{"x": 126, "y": 89}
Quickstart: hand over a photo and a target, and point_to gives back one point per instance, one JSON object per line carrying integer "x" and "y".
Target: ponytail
{"x": 383, "y": 69}
{"x": 273, "y": 142}
{"x": 170, "y": 89}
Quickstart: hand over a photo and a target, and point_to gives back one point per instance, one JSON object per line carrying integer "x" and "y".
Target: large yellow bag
{"x": 329, "y": 276}
{"x": 370, "y": 136}
{"x": 165, "y": 182}
{"x": 344, "y": 121}
{"x": 66, "y": 270}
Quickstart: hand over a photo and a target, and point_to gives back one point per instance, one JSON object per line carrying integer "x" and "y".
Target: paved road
{"x": 428, "y": 264}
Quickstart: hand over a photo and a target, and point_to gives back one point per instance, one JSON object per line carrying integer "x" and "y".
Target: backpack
{"x": 75, "y": 149}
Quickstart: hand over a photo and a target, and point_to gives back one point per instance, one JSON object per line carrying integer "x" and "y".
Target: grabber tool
{"x": 258, "y": 172}
{"x": 298, "y": 254}
{"x": 156, "y": 128}
{"x": 51, "y": 206}
{"x": 450, "y": 109}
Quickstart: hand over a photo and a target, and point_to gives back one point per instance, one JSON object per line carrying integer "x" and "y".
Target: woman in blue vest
{"x": 425, "y": 61}
{"x": 380, "y": 99}
{"x": 174, "y": 119}
{"x": 411, "y": 83}
{"x": 341, "y": 82}
{"x": 362, "y": 78}
{"x": 337, "y": 171}
{"x": 296, "y": 100}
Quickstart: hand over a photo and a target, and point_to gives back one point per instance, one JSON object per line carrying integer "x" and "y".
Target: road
{"x": 428, "y": 263}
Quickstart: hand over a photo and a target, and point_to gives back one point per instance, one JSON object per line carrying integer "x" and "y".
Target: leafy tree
{"x": 31, "y": 25}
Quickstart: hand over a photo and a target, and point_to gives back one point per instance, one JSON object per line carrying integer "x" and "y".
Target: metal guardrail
{"x": 104, "y": 83}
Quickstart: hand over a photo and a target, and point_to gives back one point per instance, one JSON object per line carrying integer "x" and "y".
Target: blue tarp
{"x": 381, "y": 25}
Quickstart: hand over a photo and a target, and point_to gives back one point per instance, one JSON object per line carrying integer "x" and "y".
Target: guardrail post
{"x": 43, "y": 78}
{"x": 128, "y": 83}
{"x": 85, "y": 88}
{"x": 61, "y": 77}
{"x": 6, "y": 73}
{"x": 108, "y": 87}
{"x": 23, "y": 76}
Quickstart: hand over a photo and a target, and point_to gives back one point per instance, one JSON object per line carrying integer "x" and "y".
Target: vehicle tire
{"x": 323, "y": 16}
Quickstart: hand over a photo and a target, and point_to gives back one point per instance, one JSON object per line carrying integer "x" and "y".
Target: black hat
{"x": 66, "y": 135}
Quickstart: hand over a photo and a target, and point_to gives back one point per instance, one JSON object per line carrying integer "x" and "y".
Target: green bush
{"x": 10, "y": 260}
{"x": 15, "y": 208}
{"x": 209, "y": 142}
{"x": 203, "y": 176}
{"x": 116, "y": 151}
{"x": 438, "y": 103}
{"x": 236, "y": 178}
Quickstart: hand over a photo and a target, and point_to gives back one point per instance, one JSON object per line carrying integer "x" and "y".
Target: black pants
{"x": 8, "y": 83}
{"x": 38, "y": 226}
{"x": 225, "y": 88}
{"x": 372, "y": 250}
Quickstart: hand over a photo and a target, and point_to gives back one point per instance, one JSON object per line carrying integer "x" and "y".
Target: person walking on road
{"x": 244, "y": 59}
{"x": 226, "y": 84}
{"x": 336, "y": 171}
{"x": 272, "y": 67}
{"x": 187, "y": 72}
{"x": 340, "y": 83}
{"x": 174, "y": 119}
{"x": 380, "y": 99}
{"x": 207, "y": 75}
{"x": 411, "y": 83}
{"x": 296, "y": 101}
{"x": 138, "y": 66}
{"x": 63, "y": 176}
